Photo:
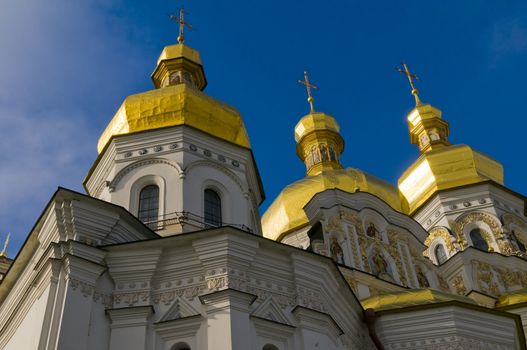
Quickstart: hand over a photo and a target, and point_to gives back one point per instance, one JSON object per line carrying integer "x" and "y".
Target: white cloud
{"x": 62, "y": 63}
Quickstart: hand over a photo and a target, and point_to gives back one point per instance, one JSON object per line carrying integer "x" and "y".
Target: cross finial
{"x": 182, "y": 24}
{"x": 309, "y": 86}
{"x": 411, "y": 76}
{"x": 4, "y": 251}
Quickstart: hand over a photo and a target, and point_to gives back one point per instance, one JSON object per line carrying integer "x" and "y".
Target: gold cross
{"x": 182, "y": 24}
{"x": 4, "y": 251}
{"x": 309, "y": 86}
{"x": 411, "y": 76}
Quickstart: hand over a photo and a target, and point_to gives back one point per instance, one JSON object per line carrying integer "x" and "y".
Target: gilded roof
{"x": 517, "y": 297}
{"x": 174, "y": 105}
{"x": 315, "y": 121}
{"x": 286, "y": 213}
{"x": 444, "y": 168}
{"x": 408, "y": 298}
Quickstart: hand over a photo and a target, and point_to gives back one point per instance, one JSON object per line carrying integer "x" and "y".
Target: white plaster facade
{"x": 182, "y": 162}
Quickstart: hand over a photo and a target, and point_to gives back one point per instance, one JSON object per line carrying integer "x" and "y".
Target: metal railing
{"x": 184, "y": 218}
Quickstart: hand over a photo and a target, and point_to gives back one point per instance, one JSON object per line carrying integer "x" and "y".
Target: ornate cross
{"x": 411, "y": 76}
{"x": 182, "y": 24}
{"x": 309, "y": 86}
{"x": 4, "y": 251}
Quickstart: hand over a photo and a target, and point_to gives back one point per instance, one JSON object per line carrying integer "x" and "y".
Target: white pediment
{"x": 179, "y": 309}
{"x": 270, "y": 310}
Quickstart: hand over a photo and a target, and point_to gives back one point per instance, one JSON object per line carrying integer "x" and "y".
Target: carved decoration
{"x": 459, "y": 285}
{"x": 141, "y": 163}
{"x": 442, "y": 232}
{"x": 354, "y": 249}
{"x": 443, "y": 285}
{"x": 334, "y": 225}
{"x": 85, "y": 288}
{"x": 485, "y": 278}
{"x": 460, "y": 223}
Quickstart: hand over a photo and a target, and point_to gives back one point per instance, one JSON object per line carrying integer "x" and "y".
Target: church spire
{"x": 3, "y": 254}
{"x": 319, "y": 144}
{"x": 427, "y": 129}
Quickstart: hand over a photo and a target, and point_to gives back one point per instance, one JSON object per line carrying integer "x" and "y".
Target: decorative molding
{"x": 442, "y": 232}
{"x": 459, "y": 285}
{"x": 472, "y": 217}
{"x": 218, "y": 166}
{"x": 126, "y": 170}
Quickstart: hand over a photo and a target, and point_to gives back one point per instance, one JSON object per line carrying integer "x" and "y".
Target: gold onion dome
{"x": 319, "y": 145}
{"x": 441, "y": 165}
{"x": 177, "y": 100}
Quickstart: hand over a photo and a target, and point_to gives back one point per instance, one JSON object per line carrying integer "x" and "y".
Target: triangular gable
{"x": 269, "y": 309}
{"x": 179, "y": 309}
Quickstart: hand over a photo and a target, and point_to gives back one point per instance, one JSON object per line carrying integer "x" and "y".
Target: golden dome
{"x": 319, "y": 144}
{"x": 315, "y": 121}
{"x": 286, "y": 213}
{"x": 441, "y": 165}
{"x": 178, "y": 100}
{"x": 444, "y": 168}
{"x": 511, "y": 299}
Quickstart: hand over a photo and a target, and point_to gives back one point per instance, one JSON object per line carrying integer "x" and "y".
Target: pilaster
{"x": 129, "y": 327}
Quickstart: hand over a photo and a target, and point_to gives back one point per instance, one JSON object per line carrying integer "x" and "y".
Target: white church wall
{"x": 449, "y": 327}
{"x": 28, "y": 333}
{"x": 182, "y": 161}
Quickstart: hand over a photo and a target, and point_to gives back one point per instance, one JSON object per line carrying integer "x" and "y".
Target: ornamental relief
{"x": 333, "y": 225}
{"x": 459, "y": 224}
{"x": 459, "y": 285}
{"x": 88, "y": 290}
{"x": 485, "y": 278}
{"x": 285, "y": 297}
{"x": 496, "y": 280}
{"x": 354, "y": 248}
{"x": 445, "y": 235}
{"x": 395, "y": 266}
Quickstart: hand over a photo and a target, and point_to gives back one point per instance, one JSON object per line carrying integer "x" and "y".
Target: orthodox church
{"x": 167, "y": 249}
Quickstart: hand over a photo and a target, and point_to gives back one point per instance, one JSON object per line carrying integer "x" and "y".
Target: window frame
{"x": 213, "y": 222}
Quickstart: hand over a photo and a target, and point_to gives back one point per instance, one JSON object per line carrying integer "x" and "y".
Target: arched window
{"x": 149, "y": 205}
{"x": 212, "y": 208}
{"x": 269, "y": 347}
{"x": 440, "y": 254}
{"x": 478, "y": 241}
{"x": 181, "y": 346}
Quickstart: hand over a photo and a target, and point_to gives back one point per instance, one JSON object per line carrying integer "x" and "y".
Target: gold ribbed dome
{"x": 441, "y": 165}
{"x": 444, "y": 168}
{"x": 319, "y": 145}
{"x": 313, "y": 122}
{"x": 286, "y": 213}
{"x": 178, "y": 100}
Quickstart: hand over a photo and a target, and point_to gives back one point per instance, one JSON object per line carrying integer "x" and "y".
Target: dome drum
{"x": 179, "y": 64}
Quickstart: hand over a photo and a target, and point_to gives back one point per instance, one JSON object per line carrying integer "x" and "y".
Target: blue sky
{"x": 65, "y": 67}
